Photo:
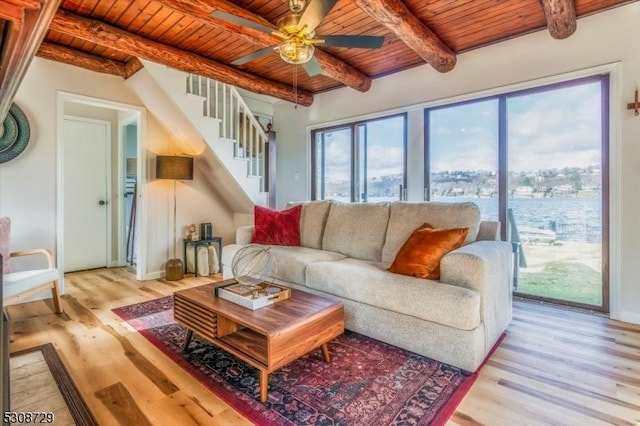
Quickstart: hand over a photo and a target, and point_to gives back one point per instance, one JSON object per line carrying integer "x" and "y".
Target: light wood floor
{"x": 554, "y": 367}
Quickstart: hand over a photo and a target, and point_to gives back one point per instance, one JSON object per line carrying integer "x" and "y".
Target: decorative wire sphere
{"x": 252, "y": 265}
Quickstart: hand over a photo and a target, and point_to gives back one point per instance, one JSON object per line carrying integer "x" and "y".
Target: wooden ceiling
{"x": 108, "y": 36}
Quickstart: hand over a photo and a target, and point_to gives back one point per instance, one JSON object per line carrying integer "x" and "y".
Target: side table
{"x": 198, "y": 243}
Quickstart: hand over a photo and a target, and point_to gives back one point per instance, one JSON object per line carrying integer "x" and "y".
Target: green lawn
{"x": 563, "y": 280}
{"x": 568, "y": 271}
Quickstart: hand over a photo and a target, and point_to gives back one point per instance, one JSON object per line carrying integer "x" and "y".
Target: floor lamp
{"x": 176, "y": 168}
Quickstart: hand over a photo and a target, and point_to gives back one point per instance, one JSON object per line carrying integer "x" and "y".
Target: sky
{"x": 546, "y": 130}
{"x": 552, "y": 129}
{"x": 385, "y": 151}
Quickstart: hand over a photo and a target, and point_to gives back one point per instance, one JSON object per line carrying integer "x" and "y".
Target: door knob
{"x": 102, "y": 202}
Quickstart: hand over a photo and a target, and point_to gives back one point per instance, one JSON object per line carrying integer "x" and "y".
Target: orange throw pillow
{"x": 421, "y": 254}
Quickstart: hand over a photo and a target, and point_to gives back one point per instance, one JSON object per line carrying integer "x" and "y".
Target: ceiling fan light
{"x": 296, "y": 6}
{"x": 295, "y": 52}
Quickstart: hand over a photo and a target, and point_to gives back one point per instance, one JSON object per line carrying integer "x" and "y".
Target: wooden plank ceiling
{"x": 186, "y": 25}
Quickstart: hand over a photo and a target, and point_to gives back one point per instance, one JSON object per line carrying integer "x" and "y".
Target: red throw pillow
{"x": 281, "y": 228}
{"x": 421, "y": 254}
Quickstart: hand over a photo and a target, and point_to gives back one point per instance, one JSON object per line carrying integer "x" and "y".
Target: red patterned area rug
{"x": 367, "y": 383}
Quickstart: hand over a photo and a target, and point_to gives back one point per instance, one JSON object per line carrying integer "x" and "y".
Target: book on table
{"x": 253, "y": 296}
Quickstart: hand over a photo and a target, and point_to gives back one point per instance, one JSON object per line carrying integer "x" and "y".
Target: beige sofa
{"x": 346, "y": 248}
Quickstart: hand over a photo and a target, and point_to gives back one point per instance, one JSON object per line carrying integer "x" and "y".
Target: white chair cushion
{"x": 18, "y": 282}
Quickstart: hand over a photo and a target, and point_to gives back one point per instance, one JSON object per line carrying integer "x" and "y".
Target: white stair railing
{"x": 237, "y": 122}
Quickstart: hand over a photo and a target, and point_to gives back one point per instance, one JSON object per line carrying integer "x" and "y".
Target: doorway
{"x": 129, "y": 182}
{"x": 118, "y": 115}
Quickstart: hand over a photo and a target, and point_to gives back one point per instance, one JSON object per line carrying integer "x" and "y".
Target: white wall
{"x": 28, "y": 183}
{"x": 604, "y": 38}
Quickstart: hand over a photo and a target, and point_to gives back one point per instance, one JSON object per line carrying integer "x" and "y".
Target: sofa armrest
{"x": 478, "y": 264}
{"x": 243, "y": 235}
{"x": 486, "y": 267}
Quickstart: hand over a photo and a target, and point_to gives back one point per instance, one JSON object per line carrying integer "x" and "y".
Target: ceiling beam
{"x": 18, "y": 45}
{"x": 561, "y": 17}
{"x": 114, "y": 38}
{"x": 81, "y": 59}
{"x": 394, "y": 15}
{"x": 132, "y": 66}
{"x": 13, "y": 10}
{"x": 332, "y": 67}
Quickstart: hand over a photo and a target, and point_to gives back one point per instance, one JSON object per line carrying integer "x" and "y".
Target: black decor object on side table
{"x": 206, "y": 231}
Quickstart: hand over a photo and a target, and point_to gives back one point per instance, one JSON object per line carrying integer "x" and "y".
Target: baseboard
{"x": 632, "y": 317}
{"x": 153, "y": 275}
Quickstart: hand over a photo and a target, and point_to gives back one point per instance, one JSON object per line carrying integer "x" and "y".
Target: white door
{"x": 86, "y": 147}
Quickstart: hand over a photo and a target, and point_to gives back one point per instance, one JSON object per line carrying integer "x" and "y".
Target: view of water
{"x": 541, "y": 213}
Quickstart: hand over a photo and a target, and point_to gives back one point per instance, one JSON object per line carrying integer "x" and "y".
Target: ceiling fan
{"x": 297, "y": 31}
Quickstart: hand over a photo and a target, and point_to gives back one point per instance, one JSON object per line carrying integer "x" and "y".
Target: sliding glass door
{"x": 555, "y": 190}
{"x": 536, "y": 160}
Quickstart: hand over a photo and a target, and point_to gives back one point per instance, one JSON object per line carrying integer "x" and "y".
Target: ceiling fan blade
{"x": 312, "y": 67}
{"x": 241, "y": 21}
{"x": 362, "y": 41}
{"x": 252, "y": 56}
{"x": 315, "y": 13}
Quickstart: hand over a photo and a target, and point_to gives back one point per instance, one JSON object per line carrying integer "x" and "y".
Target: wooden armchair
{"x": 19, "y": 285}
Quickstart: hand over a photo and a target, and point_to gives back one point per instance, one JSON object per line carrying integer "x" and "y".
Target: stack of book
{"x": 253, "y": 296}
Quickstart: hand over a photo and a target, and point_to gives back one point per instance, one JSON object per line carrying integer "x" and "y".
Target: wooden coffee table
{"x": 267, "y": 338}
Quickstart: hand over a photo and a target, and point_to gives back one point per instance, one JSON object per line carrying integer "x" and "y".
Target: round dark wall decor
{"x": 14, "y": 134}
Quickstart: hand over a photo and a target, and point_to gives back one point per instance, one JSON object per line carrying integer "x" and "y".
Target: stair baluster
{"x": 225, "y": 103}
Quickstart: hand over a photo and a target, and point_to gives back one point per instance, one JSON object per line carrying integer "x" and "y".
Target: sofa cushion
{"x": 357, "y": 230}
{"x": 405, "y": 217}
{"x": 277, "y": 227}
{"x": 369, "y": 283}
{"x": 291, "y": 262}
{"x": 312, "y": 222}
{"x": 420, "y": 255}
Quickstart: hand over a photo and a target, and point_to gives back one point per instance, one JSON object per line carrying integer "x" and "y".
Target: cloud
{"x": 385, "y": 161}
{"x": 550, "y": 129}
{"x": 555, "y": 129}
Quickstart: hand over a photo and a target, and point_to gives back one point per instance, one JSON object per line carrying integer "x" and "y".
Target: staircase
{"x": 237, "y": 124}
{"x": 213, "y": 121}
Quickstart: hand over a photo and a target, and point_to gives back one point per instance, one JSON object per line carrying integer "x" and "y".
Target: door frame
{"x": 109, "y": 176}
{"x": 122, "y": 217}
{"x": 61, "y": 98}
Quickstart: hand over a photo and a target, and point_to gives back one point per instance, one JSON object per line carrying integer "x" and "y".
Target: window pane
{"x": 463, "y": 155}
{"x": 333, "y": 164}
{"x": 385, "y": 142}
{"x": 362, "y": 161}
{"x": 555, "y": 191}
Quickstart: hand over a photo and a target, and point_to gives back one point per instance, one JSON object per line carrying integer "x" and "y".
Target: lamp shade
{"x": 174, "y": 167}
